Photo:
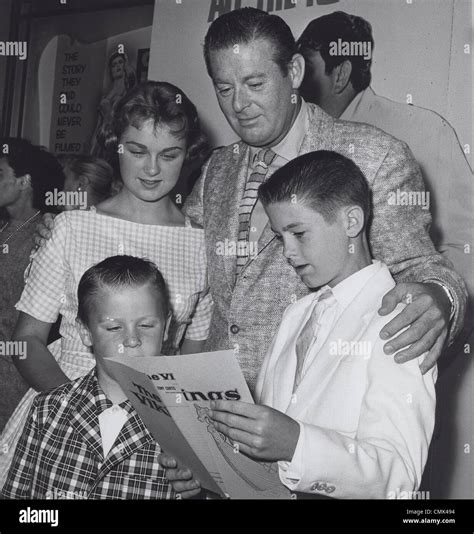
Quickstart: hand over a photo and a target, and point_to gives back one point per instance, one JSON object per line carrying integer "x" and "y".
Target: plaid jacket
{"x": 60, "y": 454}
{"x": 249, "y": 308}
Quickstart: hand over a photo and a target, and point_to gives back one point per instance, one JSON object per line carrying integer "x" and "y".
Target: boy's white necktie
{"x": 310, "y": 332}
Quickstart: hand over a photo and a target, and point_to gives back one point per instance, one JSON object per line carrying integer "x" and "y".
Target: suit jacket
{"x": 60, "y": 454}
{"x": 444, "y": 167}
{"x": 248, "y": 309}
{"x": 366, "y": 422}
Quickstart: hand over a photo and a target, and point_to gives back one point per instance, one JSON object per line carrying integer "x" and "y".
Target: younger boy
{"x": 84, "y": 439}
{"x": 341, "y": 418}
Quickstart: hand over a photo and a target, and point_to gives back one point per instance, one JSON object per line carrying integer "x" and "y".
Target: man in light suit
{"x": 251, "y": 59}
{"x": 341, "y": 418}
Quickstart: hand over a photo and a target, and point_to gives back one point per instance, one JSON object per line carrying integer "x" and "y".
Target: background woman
{"x": 27, "y": 174}
{"x": 92, "y": 177}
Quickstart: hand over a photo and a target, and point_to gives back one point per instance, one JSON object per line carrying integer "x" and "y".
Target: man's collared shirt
{"x": 286, "y": 150}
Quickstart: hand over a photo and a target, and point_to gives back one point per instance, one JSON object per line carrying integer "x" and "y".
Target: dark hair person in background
{"x": 340, "y": 85}
{"x": 158, "y": 128}
{"x": 27, "y": 174}
{"x": 89, "y": 175}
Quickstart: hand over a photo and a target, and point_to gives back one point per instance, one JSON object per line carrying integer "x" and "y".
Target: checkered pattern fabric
{"x": 263, "y": 159}
{"x": 82, "y": 238}
{"x": 60, "y": 452}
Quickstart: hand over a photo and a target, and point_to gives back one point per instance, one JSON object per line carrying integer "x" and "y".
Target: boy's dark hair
{"x": 242, "y": 26}
{"x": 43, "y": 167}
{"x": 117, "y": 272}
{"x": 323, "y": 180}
{"x": 321, "y": 32}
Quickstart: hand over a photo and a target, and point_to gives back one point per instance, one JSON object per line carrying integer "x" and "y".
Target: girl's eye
{"x": 137, "y": 154}
{"x": 146, "y": 325}
{"x": 169, "y": 157}
{"x": 113, "y": 329}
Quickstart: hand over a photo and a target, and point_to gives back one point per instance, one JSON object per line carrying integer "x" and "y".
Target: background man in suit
{"x": 340, "y": 85}
{"x": 251, "y": 59}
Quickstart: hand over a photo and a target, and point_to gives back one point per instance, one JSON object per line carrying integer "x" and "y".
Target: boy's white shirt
{"x": 365, "y": 421}
{"x": 344, "y": 293}
{"x": 111, "y": 422}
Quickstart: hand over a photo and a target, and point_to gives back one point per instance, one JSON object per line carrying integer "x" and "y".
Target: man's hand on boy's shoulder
{"x": 427, "y": 315}
{"x": 181, "y": 479}
{"x": 43, "y": 229}
{"x": 258, "y": 431}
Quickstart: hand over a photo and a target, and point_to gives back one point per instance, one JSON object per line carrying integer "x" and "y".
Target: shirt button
{"x": 234, "y": 329}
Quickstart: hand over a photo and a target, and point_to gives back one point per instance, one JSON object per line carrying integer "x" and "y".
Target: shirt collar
{"x": 352, "y": 107}
{"x": 289, "y": 147}
{"x": 96, "y": 395}
{"x": 345, "y": 291}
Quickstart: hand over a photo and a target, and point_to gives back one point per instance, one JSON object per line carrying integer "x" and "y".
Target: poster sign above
{"x": 75, "y": 94}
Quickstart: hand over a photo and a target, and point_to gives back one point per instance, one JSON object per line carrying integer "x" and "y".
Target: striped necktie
{"x": 310, "y": 331}
{"x": 263, "y": 160}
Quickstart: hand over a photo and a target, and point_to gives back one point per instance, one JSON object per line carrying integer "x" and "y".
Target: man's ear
{"x": 296, "y": 70}
{"x": 25, "y": 181}
{"x": 82, "y": 183}
{"x": 84, "y": 333}
{"x": 342, "y": 76}
{"x": 354, "y": 220}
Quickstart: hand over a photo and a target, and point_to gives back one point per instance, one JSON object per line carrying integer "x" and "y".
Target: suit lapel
{"x": 285, "y": 368}
{"x": 350, "y": 327}
{"x": 229, "y": 206}
{"x": 132, "y": 438}
{"x": 85, "y": 420}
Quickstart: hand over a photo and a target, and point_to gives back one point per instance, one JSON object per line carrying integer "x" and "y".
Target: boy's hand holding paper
{"x": 260, "y": 432}
{"x": 181, "y": 478}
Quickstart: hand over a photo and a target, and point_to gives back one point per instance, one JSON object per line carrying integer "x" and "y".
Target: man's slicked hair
{"x": 324, "y": 181}
{"x": 118, "y": 272}
{"x": 321, "y": 32}
{"x": 243, "y": 26}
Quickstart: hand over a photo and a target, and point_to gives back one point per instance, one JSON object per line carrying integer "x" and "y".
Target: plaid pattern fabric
{"x": 60, "y": 452}
{"x": 82, "y": 238}
{"x": 263, "y": 160}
